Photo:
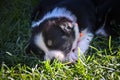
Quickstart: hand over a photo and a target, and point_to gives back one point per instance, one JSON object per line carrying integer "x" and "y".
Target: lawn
{"x": 102, "y": 60}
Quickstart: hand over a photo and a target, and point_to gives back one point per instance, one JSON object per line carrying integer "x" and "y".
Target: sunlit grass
{"x": 102, "y": 60}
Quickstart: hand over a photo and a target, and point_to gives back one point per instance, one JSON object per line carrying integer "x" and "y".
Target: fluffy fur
{"x": 56, "y": 26}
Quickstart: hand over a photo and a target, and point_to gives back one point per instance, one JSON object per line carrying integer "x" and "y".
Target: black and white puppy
{"x": 57, "y": 25}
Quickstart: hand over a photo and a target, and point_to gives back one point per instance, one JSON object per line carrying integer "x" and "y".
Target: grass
{"x": 101, "y": 62}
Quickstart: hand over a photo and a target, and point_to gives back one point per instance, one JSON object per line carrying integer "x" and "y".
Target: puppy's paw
{"x": 72, "y": 57}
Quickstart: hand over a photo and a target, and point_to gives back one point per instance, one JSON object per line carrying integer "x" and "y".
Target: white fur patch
{"x": 57, "y": 12}
{"x": 76, "y": 29}
{"x": 72, "y": 57}
{"x": 101, "y": 31}
{"x": 84, "y": 41}
{"x": 39, "y": 41}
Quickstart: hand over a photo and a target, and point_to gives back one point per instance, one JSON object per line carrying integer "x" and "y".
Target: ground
{"x": 102, "y": 60}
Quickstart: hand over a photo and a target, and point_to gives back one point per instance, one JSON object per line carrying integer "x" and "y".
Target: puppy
{"x": 59, "y": 27}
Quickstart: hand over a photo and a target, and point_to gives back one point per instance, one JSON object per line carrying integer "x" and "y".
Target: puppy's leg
{"x": 83, "y": 44}
{"x": 71, "y": 57}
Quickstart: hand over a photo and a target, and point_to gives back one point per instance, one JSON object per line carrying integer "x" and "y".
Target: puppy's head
{"x": 54, "y": 38}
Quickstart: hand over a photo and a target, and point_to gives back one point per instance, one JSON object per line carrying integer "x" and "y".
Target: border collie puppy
{"x": 59, "y": 27}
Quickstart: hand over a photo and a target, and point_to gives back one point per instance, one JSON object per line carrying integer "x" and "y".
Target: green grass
{"x": 101, "y": 62}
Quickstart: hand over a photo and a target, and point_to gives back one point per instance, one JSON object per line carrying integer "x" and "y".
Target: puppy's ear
{"x": 67, "y": 27}
{"x": 65, "y": 24}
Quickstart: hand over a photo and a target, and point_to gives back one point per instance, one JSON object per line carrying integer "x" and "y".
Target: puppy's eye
{"x": 49, "y": 42}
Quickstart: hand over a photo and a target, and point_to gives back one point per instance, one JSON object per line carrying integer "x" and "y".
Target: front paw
{"x": 72, "y": 57}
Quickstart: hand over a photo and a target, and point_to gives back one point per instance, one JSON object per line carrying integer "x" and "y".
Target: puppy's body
{"x": 56, "y": 26}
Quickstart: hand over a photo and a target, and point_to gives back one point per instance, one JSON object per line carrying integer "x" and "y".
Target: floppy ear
{"x": 67, "y": 27}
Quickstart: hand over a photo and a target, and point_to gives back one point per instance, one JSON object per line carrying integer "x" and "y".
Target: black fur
{"x": 84, "y": 10}
{"x": 108, "y": 12}
{"x": 90, "y": 14}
